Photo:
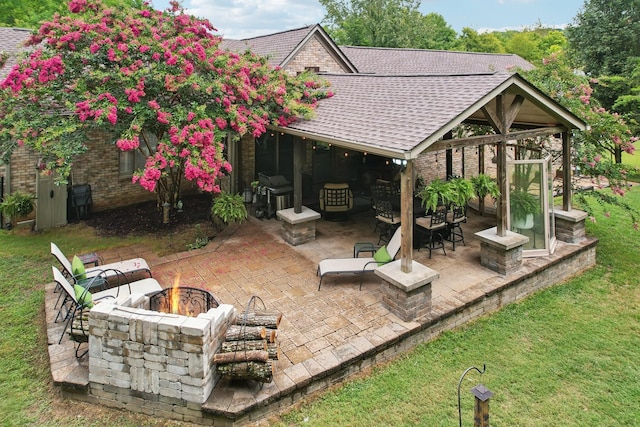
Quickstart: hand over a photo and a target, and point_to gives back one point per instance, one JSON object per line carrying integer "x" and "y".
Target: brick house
{"x": 389, "y": 104}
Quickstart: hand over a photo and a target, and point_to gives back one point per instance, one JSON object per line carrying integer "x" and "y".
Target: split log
{"x": 266, "y": 318}
{"x": 241, "y": 356}
{"x": 230, "y": 346}
{"x": 240, "y": 333}
{"x": 271, "y": 335}
{"x": 259, "y": 371}
{"x": 272, "y": 348}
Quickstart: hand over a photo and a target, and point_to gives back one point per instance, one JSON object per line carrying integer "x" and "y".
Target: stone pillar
{"x": 502, "y": 254}
{"x": 407, "y": 295}
{"x": 298, "y": 228}
{"x": 570, "y": 225}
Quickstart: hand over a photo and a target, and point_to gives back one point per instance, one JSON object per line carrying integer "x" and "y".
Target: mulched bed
{"x": 144, "y": 218}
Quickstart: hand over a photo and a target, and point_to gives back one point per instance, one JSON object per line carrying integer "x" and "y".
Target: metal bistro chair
{"x": 434, "y": 226}
{"x": 455, "y": 217}
{"x": 388, "y": 218}
{"x": 378, "y": 192}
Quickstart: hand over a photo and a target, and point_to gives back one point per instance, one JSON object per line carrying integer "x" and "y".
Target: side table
{"x": 364, "y": 247}
{"x": 90, "y": 258}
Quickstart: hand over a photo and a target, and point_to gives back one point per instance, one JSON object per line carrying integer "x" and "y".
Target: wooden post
{"x": 566, "y": 171}
{"x": 406, "y": 217}
{"x": 298, "y": 161}
{"x": 501, "y": 212}
{"x": 481, "y": 406}
{"x": 480, "y": 149}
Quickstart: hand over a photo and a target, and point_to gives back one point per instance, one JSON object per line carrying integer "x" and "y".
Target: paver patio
{"x": 325, "y": 335}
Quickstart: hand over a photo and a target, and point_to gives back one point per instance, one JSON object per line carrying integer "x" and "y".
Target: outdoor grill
{"x": 188, "y": 301}
{"x": 278, "y": 191}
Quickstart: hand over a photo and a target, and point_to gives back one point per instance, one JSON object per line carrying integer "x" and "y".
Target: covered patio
{"x": 327, "y": 335}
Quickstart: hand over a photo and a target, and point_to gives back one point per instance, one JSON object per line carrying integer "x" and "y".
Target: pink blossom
{"x": 144, "y": 48}
{"x": 128, "y": 144}
{"x": 154, "y": 104}
{"x": 112, "y": 115}
{"x": 122, "y": 47}
{"x": 222, "y": 123}
{"x": 190, "y": 116}
{"x": 163, "y": 117}
{"x": 77, "y": 6}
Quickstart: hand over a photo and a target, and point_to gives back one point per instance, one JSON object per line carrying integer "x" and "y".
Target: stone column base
{"x": 501, "y": 254}
{"x": 298, "y": 228}
{"x": 570, "y": 225}
{"x": 407, "y": 295}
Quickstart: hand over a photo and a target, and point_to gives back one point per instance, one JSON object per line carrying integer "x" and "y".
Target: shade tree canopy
{"x": 157, "y": 81}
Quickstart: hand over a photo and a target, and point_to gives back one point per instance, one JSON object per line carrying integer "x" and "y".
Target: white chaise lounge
{"x": 357, "y": 265}
{"x": 124, "y": 269}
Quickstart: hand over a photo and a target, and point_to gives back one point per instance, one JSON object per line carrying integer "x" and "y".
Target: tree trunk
{"x": 241, "y": 356}
{"x": 260, "y": 371}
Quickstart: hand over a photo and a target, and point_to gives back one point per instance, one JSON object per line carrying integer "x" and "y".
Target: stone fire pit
{"x": 160, "y": 363}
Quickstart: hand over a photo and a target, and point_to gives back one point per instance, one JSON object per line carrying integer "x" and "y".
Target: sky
{"x": 239, "y": 19}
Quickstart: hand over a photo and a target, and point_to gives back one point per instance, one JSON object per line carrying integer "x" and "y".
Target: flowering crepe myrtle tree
{"x": 146, "y": 76}
{"x": 594, "y": 149}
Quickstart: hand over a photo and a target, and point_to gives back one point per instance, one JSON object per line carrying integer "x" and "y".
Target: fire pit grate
{"x": 187, "y": 302}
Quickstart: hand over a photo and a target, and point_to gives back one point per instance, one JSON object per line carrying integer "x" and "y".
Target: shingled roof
{"x": 281, "y": 47}
{"x": 11, "y": 42}
{"x": 376, "y": 60}
{"x": 400, "y": 116}
{"x": 276, "y": 47}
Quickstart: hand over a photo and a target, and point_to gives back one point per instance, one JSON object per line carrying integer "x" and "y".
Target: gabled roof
{"x": 12, "y": 42}
{"x": 401, "y": 116}
{"x": 281, "y": 47}
{"x": 377, "y": 60}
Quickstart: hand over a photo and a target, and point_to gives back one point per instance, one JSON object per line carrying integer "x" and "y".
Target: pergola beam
{"x": 495, "y": 138}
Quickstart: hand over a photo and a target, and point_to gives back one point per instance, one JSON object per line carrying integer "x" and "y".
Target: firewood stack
{"x": 250, "y": 346}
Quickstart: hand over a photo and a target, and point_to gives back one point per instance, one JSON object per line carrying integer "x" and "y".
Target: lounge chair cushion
{"x": 83, "y": 296}
{"x": 382, "y": 256}
{"x": 77, "y": 268}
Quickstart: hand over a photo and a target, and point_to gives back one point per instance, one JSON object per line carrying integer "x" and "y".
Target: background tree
{"x": 434, "y": 33}
{"x": 379, "y": 23}
{"x": 157, "y": 81}
{"x": 30, "y": 13}
{"x": 472, "y": 41}
{"x": 604, "y": 35}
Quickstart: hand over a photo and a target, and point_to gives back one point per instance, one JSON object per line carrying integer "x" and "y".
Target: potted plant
{"x": 436, "y": 193}
{"x": 228, "y": 208}
{"x": 17, "y": 205}
{"x": 484, "y": 186}
{"x": 462, "y": 191}
{"x": 523, "y": 206}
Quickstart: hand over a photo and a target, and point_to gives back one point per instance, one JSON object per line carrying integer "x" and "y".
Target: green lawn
{"x": 567, "y": 356}
{"x": 633, "y": 160}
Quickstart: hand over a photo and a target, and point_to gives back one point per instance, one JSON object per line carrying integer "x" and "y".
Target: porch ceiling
{"x": 401, "y": 116}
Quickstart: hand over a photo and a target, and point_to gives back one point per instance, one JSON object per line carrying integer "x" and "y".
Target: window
{"x": 131, "y": 161}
